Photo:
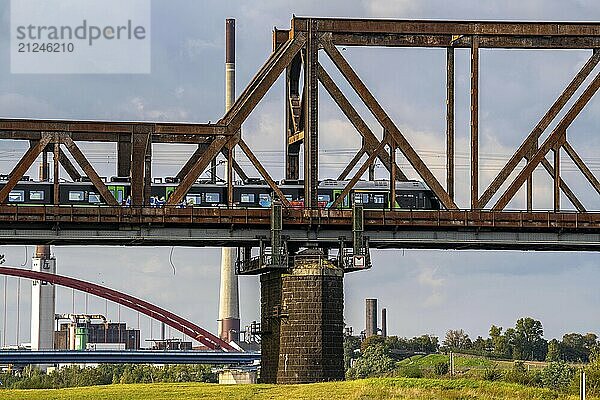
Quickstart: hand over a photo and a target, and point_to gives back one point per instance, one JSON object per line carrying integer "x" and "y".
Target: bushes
{"x": 558, "y": 376}
{"x": 519, "y": 374}
{"x": 373, "y": 361}
{"x": 75, "y": 376}
{"x": 492, "y": 373}
{"x": 592, "y": 372}
{"x": 410, "y": 371}
{"x": 441, "y": 368}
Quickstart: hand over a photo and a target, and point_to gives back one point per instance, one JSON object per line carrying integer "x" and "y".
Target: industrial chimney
{"x": 371, "y": 318}
{"x": 43, "y": 294}
{"x": 229, "y": 303}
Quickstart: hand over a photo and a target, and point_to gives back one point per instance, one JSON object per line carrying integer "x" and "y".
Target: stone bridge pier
{"x": 302, "y": 320}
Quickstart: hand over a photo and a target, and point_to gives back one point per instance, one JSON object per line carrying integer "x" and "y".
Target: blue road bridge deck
{"x": 24, "y": 357}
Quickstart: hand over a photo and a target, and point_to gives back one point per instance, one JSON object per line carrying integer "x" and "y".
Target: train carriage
{"x": 253, "y": 194}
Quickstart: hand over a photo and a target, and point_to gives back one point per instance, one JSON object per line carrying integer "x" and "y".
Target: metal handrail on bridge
{"x": 323, "y": 217}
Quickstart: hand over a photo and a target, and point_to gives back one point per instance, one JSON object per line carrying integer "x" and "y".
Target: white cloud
{"x": 20, "y": 105}
{"x": 390, "y": 8}
{"x": 194, "y": 47}
{"x": 428, "y": 278}
{"x": 137, "y": 106}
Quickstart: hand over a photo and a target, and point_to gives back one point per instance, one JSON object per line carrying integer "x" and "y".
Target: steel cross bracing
{"x": 296, "y": 55}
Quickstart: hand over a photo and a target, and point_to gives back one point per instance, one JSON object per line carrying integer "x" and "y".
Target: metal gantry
{"x": 296, "y": 55}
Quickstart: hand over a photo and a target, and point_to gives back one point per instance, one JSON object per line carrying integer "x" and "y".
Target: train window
{"x": 193, "y": 199}
{"x": 16, "y": 196}
{"x": 76, "y": 195}
{"x": 36, "y": 195}
{"x": 361, "y": 198}
{"x": 212, "y": 197}
{"x": 247, "y": 198}
{"x": 325, "y": 197}
{"x": 94, "y": 198}
{"x": 378, "y": 199}
{"x": 264, "y": 200}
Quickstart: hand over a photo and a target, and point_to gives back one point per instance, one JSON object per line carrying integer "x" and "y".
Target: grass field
{"x": 464, "y": 362}
{"x": 376, "y": 389}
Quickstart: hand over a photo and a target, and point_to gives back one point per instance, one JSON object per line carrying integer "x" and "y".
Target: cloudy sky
{"x": 424, "y": 291}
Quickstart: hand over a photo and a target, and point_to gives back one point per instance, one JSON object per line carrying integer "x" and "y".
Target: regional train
{"x": 253, "y": 193}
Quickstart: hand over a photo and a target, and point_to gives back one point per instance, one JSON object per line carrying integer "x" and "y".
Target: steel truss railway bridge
{"x": 484, "y": 223}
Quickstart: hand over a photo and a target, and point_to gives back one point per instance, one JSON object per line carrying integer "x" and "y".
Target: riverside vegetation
{"x": 516, "y": 363}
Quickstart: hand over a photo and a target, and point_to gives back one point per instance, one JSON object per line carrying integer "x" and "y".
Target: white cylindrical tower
{"x": 229, "y": 298}
{"x": 43, "y": 296}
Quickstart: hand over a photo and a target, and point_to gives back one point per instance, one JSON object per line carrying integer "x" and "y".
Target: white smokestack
{"x": 43, "y": 297}
{"x": 229, "y": 297}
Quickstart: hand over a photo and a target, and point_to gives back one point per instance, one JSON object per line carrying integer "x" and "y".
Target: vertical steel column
{"x": 138, "y": 154}
{"x": 148, "y": 170}
{"x": 289, "y": 126}
{"x": 293, "y": 120}
{"x": 44, "y": 170}
{"x": 475, "y": 122}
{"x": 311, "y": 127}
{"x": 372, "y": 165}
{"x": 530, "y": 193}
{"x": 230, "y": 175}
{"x": 392, "y": 145}
{"x": 56, "y": 173}
{"x": 530, "y": 180}
{"x": 124, "y": 156}
{"x": 213, "y": 170}
{"x": 276, "y": 227}
{"x": 358, "y": 227}
{"x": 556, "y": 151}
{"x": 450, "y": 121}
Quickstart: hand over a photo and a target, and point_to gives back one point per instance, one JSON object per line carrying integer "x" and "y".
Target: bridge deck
{"x": 22, "y": 357}
{"x": 195, "y": 226}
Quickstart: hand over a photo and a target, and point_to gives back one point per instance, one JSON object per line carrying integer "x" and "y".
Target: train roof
{"x": 376, "y": 184}
{"x": 326, "y": 184}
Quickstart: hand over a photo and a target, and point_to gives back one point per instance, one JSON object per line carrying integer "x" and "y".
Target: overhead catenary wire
{"x": 26, "y": 257}
{"x": 171, "y": 259}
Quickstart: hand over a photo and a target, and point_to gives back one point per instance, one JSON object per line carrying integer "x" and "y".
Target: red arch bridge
{"x": 168, "y": 318}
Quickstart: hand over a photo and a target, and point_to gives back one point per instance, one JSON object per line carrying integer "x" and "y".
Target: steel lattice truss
{"x": 296, "y": 54}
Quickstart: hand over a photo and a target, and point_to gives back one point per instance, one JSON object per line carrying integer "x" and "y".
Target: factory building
{"x": 96, "y": 336}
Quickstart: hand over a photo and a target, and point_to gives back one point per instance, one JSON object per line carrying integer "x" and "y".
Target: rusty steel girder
{"x": 296, "y": 51}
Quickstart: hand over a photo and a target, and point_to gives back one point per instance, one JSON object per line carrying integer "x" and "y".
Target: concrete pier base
{"x": 302, "y": 322}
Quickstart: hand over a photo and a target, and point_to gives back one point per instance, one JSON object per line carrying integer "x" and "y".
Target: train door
{"x": 118, "y": 192}
{"x": 345, "y": 202}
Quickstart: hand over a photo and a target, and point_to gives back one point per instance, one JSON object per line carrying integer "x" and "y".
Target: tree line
{"x": 523, "y": 342}
{"x": 379, "y": 356}
{"x": 105, "y": 374}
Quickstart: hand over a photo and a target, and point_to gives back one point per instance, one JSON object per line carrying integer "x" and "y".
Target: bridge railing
{"x": 325, "y": 218}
